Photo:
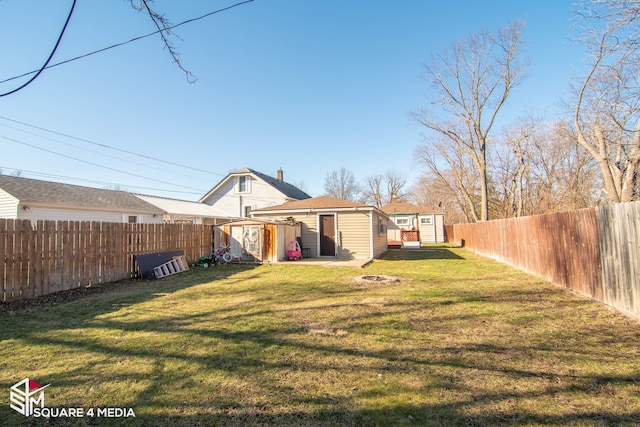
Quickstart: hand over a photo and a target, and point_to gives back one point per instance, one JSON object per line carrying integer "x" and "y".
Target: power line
{"x": 53, "y": 51}
{"x": 135, "y": 39}
{"x": 49, "y": 175}
{"x": 91, "y": 181}
{"x": 95, "y": 164}
{"x": 144, "y": 156}
{"x": 137, "y": 163}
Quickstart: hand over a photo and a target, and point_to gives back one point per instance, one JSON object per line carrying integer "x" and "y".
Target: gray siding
{"x": 434, "y": 232}
{"x": 58, "y": 214}
{"x": 357, "y": 233}
{"x": 380, "y": 245}
{"x": 354, "y": 235}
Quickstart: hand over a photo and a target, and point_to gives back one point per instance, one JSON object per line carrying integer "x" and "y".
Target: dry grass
{"x": 460, "y": 340}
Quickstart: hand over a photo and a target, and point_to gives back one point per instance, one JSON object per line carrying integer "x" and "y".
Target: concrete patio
{"x": 327, "y": 262}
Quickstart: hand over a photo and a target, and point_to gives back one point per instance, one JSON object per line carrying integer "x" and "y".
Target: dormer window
{"x": 243, "y": 184}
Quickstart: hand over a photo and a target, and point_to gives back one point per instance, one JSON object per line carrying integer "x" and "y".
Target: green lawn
{"x": 459, "y": 340}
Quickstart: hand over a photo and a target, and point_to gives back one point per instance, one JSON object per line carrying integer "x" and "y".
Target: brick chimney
{"x": 280, "y": 175}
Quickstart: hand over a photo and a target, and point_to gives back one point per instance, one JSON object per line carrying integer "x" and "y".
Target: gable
{"x": 259, "y": 184}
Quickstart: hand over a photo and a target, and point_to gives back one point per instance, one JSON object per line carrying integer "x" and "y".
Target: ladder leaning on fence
{"x": 176, "y": 265}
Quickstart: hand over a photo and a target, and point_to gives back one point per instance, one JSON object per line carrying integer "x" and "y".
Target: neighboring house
{"x": 334, "y": 228}
{"x": 183, "y": 211}
{"x": 245, "y": 190}
{"x": 427, "y": 226}
{"x": 32, "y": 199}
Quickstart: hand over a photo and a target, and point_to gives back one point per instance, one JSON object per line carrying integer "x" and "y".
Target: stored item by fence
{"x": 175, "y": 266}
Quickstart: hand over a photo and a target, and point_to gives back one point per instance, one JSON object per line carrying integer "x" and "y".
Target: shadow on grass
{"x": 434, "y": 252}
{"x": 114, "y": 295}
{"x": 254, "y": 343}
{"x": 245, "y": 358}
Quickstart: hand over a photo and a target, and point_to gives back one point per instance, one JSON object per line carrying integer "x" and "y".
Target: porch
{"x": 403, "y": 239}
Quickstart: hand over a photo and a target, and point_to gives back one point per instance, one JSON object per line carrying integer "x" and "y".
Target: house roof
{"x": 404, "y": 208}
{"x": 27, "y": 190}
{"x": 183, "y": 207}
{"x": 316, "y": 203}
{"x": 255, "y": 221}
{"x": 289, "y": 190}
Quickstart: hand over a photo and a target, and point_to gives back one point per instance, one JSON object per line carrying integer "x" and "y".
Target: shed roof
{"x": 316, "y": 203}
{"x": 183, "y": 207}
{"x": 28, "y": 190}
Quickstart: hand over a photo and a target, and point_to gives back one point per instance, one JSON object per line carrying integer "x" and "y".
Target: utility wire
{"x": 44, "y": 66}
{"x": 91, "y": 181}
{"x": 101, "y": 154}
{"x": 144, "y": 156}
{"x": 96, "y": 164}
{"x": 135, "y": 39}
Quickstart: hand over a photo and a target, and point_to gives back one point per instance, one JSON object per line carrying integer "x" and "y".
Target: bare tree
{"x": 341, "y": 184}
{"x": 540, "y": 169}
{"x": 164, "y": 29}
{"x": 513, "y": 168}
{"x": 372, "y": 190}
{"x": 395, "y": 184}
{"x": 458, "y": 175}
{"x": 606, "y": 116}
{"x": 471, "y": 80}
{"x": 459, "y": 179}
{"x": 436, "y": 193}
{"x": 381, "y": 189}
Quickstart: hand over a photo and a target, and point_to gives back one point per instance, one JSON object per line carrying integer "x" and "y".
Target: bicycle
{"x": 223, "y": 255}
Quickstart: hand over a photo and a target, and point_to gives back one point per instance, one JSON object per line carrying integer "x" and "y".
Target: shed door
{"x": 252, "y": 242}
{"x": 327, "y": 235}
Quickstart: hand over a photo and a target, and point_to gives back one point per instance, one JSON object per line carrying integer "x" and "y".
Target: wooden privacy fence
{"x": 594, "y": 252}
{"x": 52, "y": 256}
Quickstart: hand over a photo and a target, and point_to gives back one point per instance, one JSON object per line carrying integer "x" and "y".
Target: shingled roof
{"x": 404, "y": 208}
{"x": 28, "y": 190}
{"x": 316, "y": 203}
{"x": 284, "y": 187}
{"x": 288, "y": 190}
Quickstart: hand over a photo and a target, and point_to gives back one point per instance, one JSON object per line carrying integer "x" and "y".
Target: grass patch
{"x": 459, "y": 340}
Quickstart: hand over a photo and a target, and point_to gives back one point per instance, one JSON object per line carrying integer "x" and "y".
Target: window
{"x": 247, "y": 211}
{"x": 426, "y": 220}
{"x": 382, "y": 226}
{"x": 242, "y": 184}
{"x": 132, "y": 219}
{"x": 402, "y": 221}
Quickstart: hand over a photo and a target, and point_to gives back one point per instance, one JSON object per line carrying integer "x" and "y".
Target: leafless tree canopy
{"x": 163, "y": 25}
{"x": 539, "y": 169}
{"x": 341, "y": 184}
{"x": 382, "y": 189}
{"x": 471, "y": 81}
{"x": 606, "y": 116}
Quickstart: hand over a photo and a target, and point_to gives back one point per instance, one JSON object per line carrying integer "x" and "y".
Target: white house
{"x": 427, "y": 226}
{"x": 245, "y": 190}
{"x": 32, "y": 199}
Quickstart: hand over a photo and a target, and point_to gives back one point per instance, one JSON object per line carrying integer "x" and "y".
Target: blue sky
{"x": 307, "y": 85}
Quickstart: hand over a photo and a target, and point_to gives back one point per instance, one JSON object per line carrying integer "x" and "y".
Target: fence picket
{"x": 60, "y": 255}
{"x": 592, "y": 251}
{"x": 3, "y": 259}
